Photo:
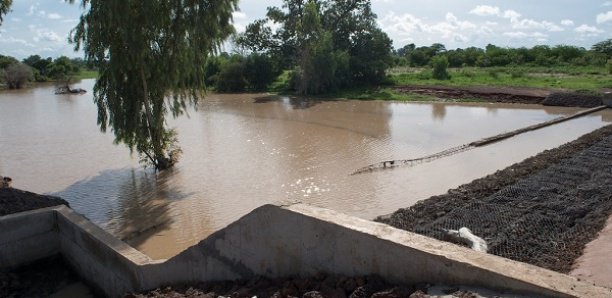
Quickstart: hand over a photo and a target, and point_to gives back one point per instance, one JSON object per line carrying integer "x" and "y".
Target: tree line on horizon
{"x": 492, "y": 55}
{"x": 16, "y": 73}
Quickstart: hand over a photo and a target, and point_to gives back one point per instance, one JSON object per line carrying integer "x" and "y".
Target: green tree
{"x": 603, "y": 47}
{"x": 260, "y": 71}
{"x": 324, "y": 40}
{"x": 144, "y": 51}
{"x": 440, "y": 65}
{"x": 5, "y": 7}
{"x": 231, "y": 77}
{"x": 6, "y": 61}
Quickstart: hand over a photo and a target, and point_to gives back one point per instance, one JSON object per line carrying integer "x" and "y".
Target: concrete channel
{"x": 273, "y": 241}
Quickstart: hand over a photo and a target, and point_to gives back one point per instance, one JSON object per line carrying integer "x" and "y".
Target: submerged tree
{"x": 151, "y": 58}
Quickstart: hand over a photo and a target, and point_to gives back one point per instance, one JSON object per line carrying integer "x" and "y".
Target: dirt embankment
{"x": 541, "y": 211}
{"x": 524, "y": 95}
{"x": 13, "y": 200}
{"x": 319, "y": 286}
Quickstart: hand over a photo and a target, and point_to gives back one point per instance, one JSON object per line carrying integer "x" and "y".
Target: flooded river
{"x": 243, "y": 151}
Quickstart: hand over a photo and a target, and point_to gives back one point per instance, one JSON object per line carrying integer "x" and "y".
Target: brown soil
{"x": 319, "y": 286}
{"x": 541, "y": 211}
{"x": 524, "y": 95}
{"x": 14, "y": 200}
{"x": 485, "y": 93}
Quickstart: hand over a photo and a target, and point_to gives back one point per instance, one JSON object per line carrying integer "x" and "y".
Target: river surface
{"x": 246, "y": 150}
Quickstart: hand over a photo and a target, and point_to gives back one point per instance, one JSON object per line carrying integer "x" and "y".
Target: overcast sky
{"x": 42, "y": 26}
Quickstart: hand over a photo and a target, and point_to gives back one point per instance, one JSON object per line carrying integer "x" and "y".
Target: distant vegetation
{"x": 561, "y": 66}
{"x": 15, "y": 74}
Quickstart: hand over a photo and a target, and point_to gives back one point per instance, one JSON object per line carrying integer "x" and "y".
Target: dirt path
{"x": 542, "y": 211}
{"x": 523, "y": 95}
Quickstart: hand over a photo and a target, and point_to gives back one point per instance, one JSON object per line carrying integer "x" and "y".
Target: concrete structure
{"x": 607, "y": 99}
{"x": 274, "y": 242}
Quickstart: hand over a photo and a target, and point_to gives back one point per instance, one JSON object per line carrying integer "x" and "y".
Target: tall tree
{"x": 319, "y": 39}
{"x": 5, "y": 7}
{"x": 603, "y": 47}
{"x": 145, "y": 51}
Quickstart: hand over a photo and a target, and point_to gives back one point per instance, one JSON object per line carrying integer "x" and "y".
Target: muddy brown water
{"x": 243, "y": 151}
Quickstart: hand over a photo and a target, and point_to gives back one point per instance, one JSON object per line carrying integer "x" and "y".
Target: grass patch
{"x": 86, "y": 74}
{"x": 374, "y": 93}
{"x": 586, "y": 78}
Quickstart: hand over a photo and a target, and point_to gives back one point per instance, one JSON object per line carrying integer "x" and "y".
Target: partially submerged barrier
{"x": 274, "y": 242}
{"x": 480, "y": 143}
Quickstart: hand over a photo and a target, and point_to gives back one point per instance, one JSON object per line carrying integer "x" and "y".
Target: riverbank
{"x": 542, "y": 211}
{"x": 14, "y": 200}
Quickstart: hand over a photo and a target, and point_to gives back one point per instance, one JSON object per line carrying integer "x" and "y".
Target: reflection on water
{"x": 243, "y": 151}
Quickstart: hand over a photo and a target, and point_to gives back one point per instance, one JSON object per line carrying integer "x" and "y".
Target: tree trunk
{"x": 159, "y": 159}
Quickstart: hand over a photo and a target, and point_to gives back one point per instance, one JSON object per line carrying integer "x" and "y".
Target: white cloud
{"x": 567, "y": 23}
{"x": 13, "y": 40}
{"x": 604, "y": 17}
{"x": 588, "y": 31}
{"x": 511, "y": 14}
{"x": 46, "y": 35}
{"x": 521, "y": 34}
{"x": 405, "y": 27}
{"x": 485, "y": 10}
{"x": 32, "y": 9}
{"x": 607, "y": 3}
{"x": 238, "y": 15}
{"x": 534, "y": 25}
{"x": 54, "y": 16}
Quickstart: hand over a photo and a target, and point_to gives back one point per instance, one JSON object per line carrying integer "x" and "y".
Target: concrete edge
{"x": 560, "y": 283}
{"x": 140, "y": 267}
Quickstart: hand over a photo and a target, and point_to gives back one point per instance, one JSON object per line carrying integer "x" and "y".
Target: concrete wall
{"x": 282, "y": 241}
{"x": 607, "y": 99}
{"x": 27, "y": 237}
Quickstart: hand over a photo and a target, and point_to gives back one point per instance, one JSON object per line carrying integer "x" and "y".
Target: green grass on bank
{"x": 86, "y": 74}
{"x": 586, "y": 78}
{"x": 558, "y": 77}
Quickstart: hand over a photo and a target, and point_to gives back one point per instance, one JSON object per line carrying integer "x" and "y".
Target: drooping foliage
{"x": 151, "y": 58}
{"x": 5, "y": 7}
{"x": 328, "y": 43}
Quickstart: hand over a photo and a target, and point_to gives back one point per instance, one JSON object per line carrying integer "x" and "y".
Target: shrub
{"x": 231, "y": 78}
{"x": 17, "y": 74}
{"x": 440, "y": 66}
{"x": 260, "y": 71}
{"x": 494, "y": 73}
{"x": 517, "y": 73}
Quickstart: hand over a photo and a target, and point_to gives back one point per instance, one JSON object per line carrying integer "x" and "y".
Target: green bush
{"x": 260, "y": 71}
{"x": 232, "y": 78}
{"x": 494, "y": 73}
{"x": 440, "y": 67}
{"x": 517, "y": 73}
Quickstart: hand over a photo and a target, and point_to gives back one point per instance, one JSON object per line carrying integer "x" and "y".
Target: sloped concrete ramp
{"x": 274, "y": 241}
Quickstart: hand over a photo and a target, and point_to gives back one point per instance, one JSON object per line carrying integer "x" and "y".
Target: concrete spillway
{"x": 272, "y": 241}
